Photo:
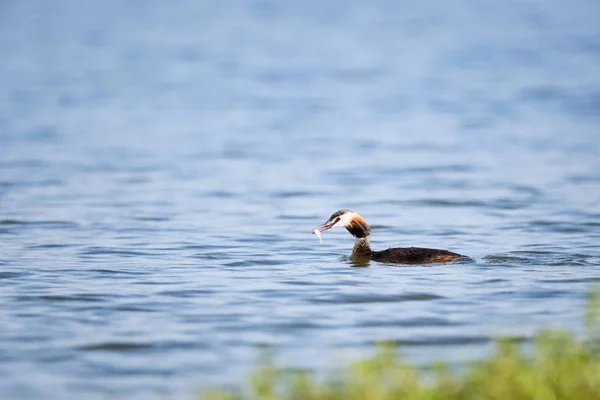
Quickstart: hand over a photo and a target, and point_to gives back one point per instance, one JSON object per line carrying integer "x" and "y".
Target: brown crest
{"x": 358, "y": 227}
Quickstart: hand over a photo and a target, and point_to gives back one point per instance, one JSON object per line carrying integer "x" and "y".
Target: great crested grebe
{"x": 358, "y": 227}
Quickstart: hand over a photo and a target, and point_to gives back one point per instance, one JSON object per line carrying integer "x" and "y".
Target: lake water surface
{"x": 162, "y": 165}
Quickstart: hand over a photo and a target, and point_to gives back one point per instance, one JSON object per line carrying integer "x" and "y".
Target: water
{"x": 162, "y": 166}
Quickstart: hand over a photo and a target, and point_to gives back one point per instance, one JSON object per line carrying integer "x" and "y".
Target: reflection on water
{"x": 161, "y": 168}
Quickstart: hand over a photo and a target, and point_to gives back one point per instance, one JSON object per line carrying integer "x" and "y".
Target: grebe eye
{"x": 337, "y": 219}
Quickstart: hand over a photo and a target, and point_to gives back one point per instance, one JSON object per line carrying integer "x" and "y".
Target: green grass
{"x": 561, "y": 366}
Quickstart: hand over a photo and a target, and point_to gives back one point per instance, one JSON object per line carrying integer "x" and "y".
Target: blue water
{"x": 162, "y": 165}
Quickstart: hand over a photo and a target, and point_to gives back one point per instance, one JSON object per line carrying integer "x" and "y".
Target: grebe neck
{"x": 362, "y": 248}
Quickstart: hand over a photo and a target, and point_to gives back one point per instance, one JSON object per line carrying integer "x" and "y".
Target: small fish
{"x": 318, "y": 234}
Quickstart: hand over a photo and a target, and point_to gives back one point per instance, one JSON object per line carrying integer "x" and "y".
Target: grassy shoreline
{"x": 561, "y": 366}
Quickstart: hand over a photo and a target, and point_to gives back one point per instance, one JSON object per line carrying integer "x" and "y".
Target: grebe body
{"x": 358, "y": 227}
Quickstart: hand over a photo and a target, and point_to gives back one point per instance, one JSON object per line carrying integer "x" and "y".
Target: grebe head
{"x": 351, "y": 220}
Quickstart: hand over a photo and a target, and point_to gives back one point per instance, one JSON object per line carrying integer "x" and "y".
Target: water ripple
{"x": 116, "y": 346}
{"x": 113, "y": 251}
{"x": 376, "y": 298}
{"x": 445, "y": 341}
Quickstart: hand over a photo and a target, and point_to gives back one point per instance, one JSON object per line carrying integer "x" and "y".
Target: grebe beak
{"x": 324, "y": 227}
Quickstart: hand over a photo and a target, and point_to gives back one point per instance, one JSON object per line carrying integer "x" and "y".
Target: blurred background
{"x": 162, "y": 165}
